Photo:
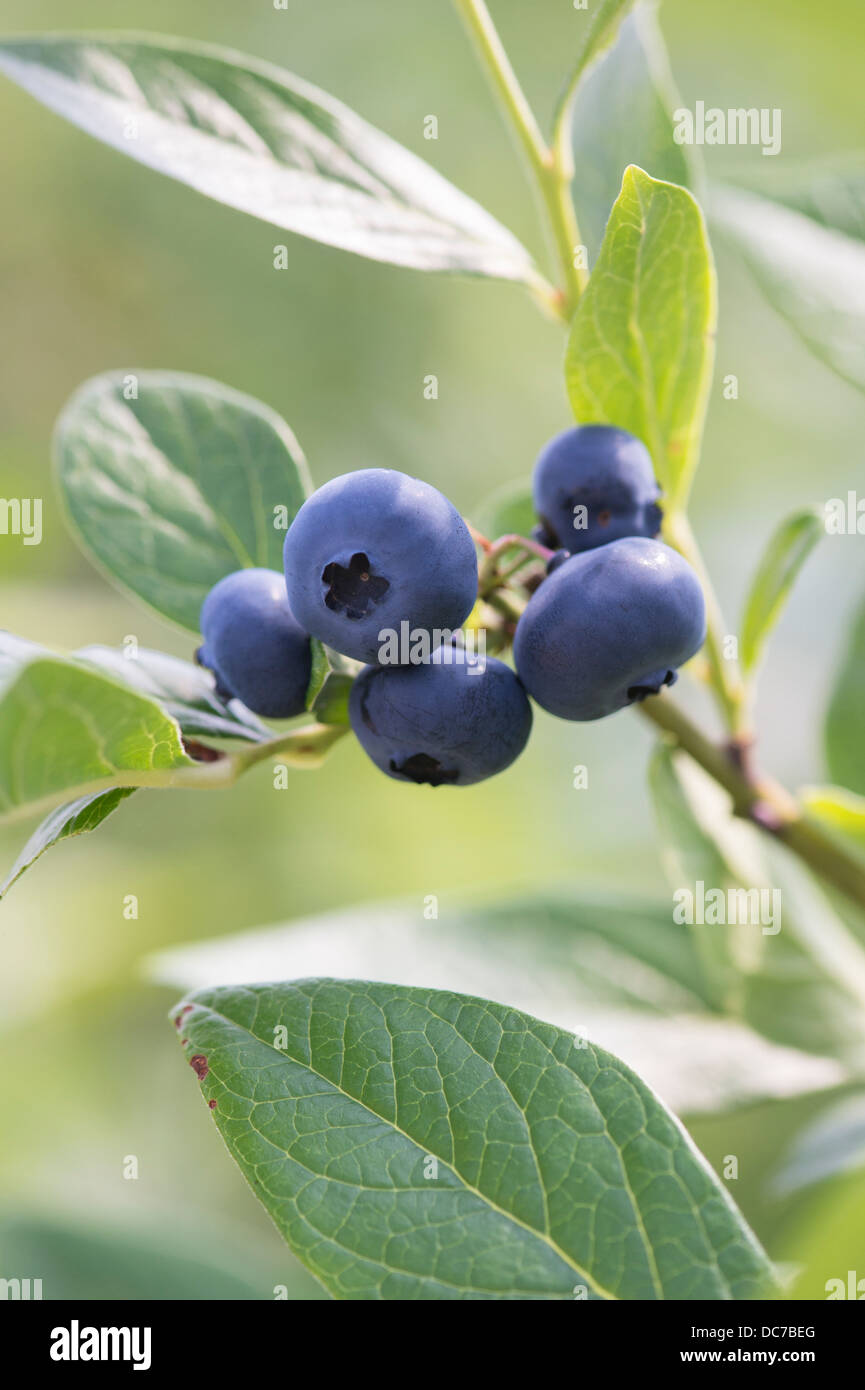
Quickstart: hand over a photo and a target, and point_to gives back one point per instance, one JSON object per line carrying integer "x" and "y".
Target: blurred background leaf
{"x": 833, "y": 1143}
{"x": 845, "y": 719}
{"x": 149, "y": 1261}
{"x": 508, "y": 510}
{"x": 779, "y": 565}
{"x": 831, "y": 190}
{"x": 812, "y": 275}
{"x": 798, "y": 978}
{"x": 622, "y": 973}
{"x": 623, "y": 115}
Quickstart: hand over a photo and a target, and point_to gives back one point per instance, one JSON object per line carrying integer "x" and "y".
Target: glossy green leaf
{"x": 173, "y": 481}
{"x": 413, "y": 1143}
{"x": 812, "y": 275}
{"x": 845, "y": 719}
{"x": 76, "y": 818}
{"x": 623, "y": 115}
{"x": 185, "y": 691}
{"x": 641, "y": 346}
{"x": 838, "y": 810}
{"x": 622, "y": 972}
{"x": 67, "y": 732}
{"x": 776, "y": 574}
{"x": 261, "y": 140}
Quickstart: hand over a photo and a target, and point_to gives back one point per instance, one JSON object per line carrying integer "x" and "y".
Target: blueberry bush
{"x": 407, "y": 1141}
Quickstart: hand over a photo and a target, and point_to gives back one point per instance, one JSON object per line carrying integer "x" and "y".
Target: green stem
{"x": 726, "y": 680}
{"x": 761, "y": 800}
{"x": 550, "y": 167}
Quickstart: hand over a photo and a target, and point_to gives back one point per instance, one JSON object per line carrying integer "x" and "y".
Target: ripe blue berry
{"x": 253, "y": 645}
{"x": 372, "y": 550}
{"x": 594, "y": 484}
{"x": 444, "y": 723}
{"x": 609, "y": 627}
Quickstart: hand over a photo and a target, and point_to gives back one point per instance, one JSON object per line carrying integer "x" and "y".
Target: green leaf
{"x": 830, "y": 190}
{"x": 845, "y": 720}
{"x": 641, "y": 346}
{"x": 330, "y": 682}
{"x": 776, "y": 574}
{"x": 263, "y": 141}
{"x": 813, "y": 276}
{"x": 417, "y": 1143}
{"x": 838, "y": 810}
{"x": 598, "y": 25}
{"x": 173, "y": 481}
{"x": 76, "y": 818}
{"x": 784, "y": 963}
{"x": 66, "y": 732}
{"x": 620, "y": 971}
{"x": 185, "y": 691}
{"x": 507, "y": 511}
{"x": 623, "y": 115}
{"x": 693, "y": 854}
{"x": 15, "y": 652}
{"x": 144, "y": 1258}
{"x": 833, "y": 1143}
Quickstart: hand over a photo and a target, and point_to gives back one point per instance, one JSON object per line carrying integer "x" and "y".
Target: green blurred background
{"x": 105, "y": 264}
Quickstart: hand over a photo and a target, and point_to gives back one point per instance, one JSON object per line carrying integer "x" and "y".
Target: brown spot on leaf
{"x": 212, "y": 1104}
{"x": 199, "y": 1065}
{"x": 180, "y": 1017}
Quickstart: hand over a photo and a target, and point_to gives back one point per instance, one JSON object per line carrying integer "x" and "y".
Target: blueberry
{"x": 609, "y": 627}
{"x": 445, "y": 723}
{"x": 375, "y": 549}
{"x": 557, "y": 558}
{"x": 606, "y": 472}
{"x": 256, "y": 650}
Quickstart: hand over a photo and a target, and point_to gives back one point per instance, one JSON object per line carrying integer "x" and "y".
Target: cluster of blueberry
{"x": 376, "y": 552}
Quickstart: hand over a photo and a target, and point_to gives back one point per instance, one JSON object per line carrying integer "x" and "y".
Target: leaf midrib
{"x": 469, "y": 1187}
